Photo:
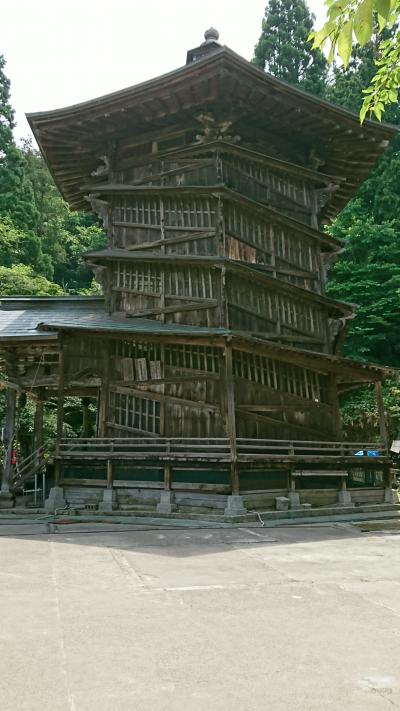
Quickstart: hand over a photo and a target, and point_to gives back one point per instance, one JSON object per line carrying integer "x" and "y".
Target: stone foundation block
{"x": 55, "y": 499}
{"x": 390, "y": 496}
{"x": 109, "y": 500}
{"x": 294, "y": 499}
{"x": 6, "y": 500}
{"x": 301, "y": 507}
{"x": 281, "y": 503}
{"x": 167, "y": 502}
{"x": 344, "y": 498}
{"x": 235, "y": 506}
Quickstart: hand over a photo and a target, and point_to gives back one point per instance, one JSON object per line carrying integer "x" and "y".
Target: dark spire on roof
{"x": 211, "y": 37}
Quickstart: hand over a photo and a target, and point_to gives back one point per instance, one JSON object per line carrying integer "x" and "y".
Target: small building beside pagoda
{"x": 214, "y": 357}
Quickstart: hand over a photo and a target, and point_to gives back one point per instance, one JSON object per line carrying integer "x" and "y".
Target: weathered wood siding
{"x": 171, "y": 390}
{"x": 212, "y": 295}
{"x": 253, "y": 175}
{"x": 279, "y": 400}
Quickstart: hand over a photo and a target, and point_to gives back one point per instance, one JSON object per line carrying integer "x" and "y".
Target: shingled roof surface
{"x": 42, "y": 318}
{"x": 20, "y": 316}
{"x": 71, "y": 138}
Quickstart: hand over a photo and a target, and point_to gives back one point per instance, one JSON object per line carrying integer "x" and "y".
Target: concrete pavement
{"x": 298, "y": 618}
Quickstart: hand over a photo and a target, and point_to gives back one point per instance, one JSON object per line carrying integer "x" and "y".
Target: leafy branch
{"x": 357, "y": 21}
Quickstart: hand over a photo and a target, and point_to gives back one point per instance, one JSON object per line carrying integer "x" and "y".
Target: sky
{"x": 62, "y": 52}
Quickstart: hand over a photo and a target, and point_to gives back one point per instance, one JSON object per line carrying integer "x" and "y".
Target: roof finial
{"x": 211, "y": 35}
{"x": 210, "y": 44}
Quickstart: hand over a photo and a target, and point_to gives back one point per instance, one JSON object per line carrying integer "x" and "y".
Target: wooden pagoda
{"x": 215, "y": 357}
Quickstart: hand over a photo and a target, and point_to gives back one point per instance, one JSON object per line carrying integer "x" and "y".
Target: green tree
{"x": 368, "y": 274}
{"x": 347, "y": 84}
{"x": 352, "y": 22}
{"x": 21, "y": 280}
{"x": 368, "y": 271}
{"x": 360, "y": 418}
{"x": 64, "y": 234}
{"x": 21, "y": 246}
{"x": 16, "y": 199}
{"x": 284, "y": 49}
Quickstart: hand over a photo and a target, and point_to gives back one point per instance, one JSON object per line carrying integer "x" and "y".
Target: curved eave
{"x": 70, "y": 138}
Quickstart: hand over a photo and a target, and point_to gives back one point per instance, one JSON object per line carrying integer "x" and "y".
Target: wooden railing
{"x": 26, "y": 469}
{"x": 174, "y": 448}
{"x": 29, "y": 471}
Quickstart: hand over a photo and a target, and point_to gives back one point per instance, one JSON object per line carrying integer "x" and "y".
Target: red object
{"x": 13, "y": 457}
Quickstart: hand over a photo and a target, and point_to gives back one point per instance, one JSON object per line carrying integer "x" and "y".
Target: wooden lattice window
{"x": 143, "y": 278}
{"x": 138, "y": 211}
{"x": 135, "y": 413}
{"x": 137, "y": 349}
{"x": 249, "y": 228}
{"x": 290, "y": 187}
{"x": 189, "y": 281}
{"x": 288, "y": 246}
{"x": 138, "y": 361}
{"x": 189, "y": 212}
{"x": 285, "y": 377}
{"x": 204, "y": 358}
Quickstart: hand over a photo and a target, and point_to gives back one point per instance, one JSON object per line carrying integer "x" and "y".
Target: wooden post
{"x": 335, "y": 405}
{"x": 110, "y": 475}
{"x": 38, "y": 420}
{"x": 60, "y": 398}
{"x": 381, "y": 413}
{"x": 230, "y": 417}
{"x": 85, "y": 417}
{"x": 98, "y": 406}
{"x": 8, "y": 438}
{"x": 58, "y": 472}
{"x": 167, "y": 477}
{"x": 104, "y": 392}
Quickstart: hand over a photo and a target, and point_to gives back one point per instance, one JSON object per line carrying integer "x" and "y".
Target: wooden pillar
{"x": 167, "y": 477}
{"x": 38, "y": 420}
{"x": 60, "y": 398}
{"x": 110, "y": 474}
{"x": 85, "y": 417}
{"x": 381, "y": 414}
{"x": 104, "y": 392}
{"x": 98, "y": 407}
{"x": 335, "y": 405}
{"x": 230, "y": 416}
{"x": 8, "y": 438}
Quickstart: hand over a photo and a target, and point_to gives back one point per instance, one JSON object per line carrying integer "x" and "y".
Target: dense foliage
{"x": 368, "y": 271}
{"x": 352, "y": 23}
{"x": 284, "y": 49}
{"x": 41, "y": 240}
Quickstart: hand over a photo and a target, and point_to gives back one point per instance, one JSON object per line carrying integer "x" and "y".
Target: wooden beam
{"x": 282, "y": 424}
{"x": 151, "y": 395}
{"x": 300, "y": 407}
{"x": 175, "y": 308}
